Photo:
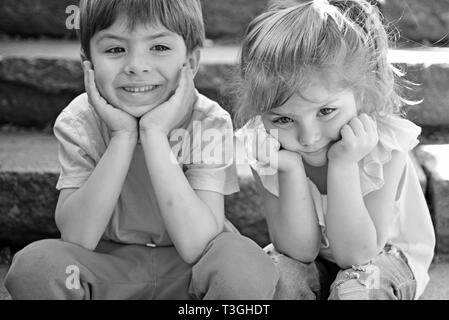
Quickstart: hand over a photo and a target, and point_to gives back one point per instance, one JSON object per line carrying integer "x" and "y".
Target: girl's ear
{"x": 194, "y": 60}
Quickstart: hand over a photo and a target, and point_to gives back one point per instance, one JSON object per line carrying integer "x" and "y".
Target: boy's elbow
{"x": 190, "y": 256}
{"x": 70, "y": 236}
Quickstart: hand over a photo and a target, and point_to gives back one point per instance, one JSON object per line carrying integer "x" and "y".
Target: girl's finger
{"x": 347, "y": 133}
{"x": 368, "y": 122}
{"x": 357, "y": 127}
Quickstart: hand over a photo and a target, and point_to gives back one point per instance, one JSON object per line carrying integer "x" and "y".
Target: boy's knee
{"x": 36, "y": 262}
{"x": 238, "y": 254}
{"x": 237, "y": 264}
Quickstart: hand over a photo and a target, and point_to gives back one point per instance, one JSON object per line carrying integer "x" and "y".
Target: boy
{"x": 134, "y": 222}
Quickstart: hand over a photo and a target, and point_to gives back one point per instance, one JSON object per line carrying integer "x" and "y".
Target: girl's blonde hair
{"x": 342, "y": 41}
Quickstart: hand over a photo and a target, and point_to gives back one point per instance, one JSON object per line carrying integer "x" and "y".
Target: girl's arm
{"x": 83, "y": 214}
{"x": 192, "y": 218}
{"x": 291, "y": 218}
{"x": 358, "y": 227}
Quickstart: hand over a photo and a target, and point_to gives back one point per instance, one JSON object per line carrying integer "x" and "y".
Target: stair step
{"x": 29, "y": 170}
{"x": 39, "y": 78}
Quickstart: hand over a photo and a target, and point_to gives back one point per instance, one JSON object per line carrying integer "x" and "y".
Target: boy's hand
{"x": 117, "y": 120}
{"x": 173, "y": 112}
{"x": 267, "y": 153}
{"x": 358, "y": 138}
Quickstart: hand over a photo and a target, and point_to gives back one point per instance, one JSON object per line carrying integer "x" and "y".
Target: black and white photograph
{"x": 225, "y": 155}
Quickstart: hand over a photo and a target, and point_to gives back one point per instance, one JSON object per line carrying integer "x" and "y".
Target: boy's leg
{"x": 299, "y": 281}
{"x": 172, "y": 273}
{"x": 387, "y": 277}
{"x": 54, "y": 269}
{"x": 233, "y": 267}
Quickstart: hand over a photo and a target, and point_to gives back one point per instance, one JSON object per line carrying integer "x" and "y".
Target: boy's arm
{"x": 192, "y": 218}
{"x": 83, "y": 214}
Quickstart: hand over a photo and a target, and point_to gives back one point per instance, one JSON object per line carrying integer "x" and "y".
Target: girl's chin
{"x": 315, "y": 162}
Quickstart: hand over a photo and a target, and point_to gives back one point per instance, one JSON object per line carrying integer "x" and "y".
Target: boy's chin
{"x": 137, "y": 111}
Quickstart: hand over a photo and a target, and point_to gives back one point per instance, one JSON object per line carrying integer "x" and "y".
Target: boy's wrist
{"x": 131, "y": 136}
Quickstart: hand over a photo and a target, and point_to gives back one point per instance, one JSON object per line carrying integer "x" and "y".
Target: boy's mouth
{"x": 143, "y": 89}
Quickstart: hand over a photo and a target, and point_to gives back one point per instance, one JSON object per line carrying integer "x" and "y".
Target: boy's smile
{"x": 137, "y": 70}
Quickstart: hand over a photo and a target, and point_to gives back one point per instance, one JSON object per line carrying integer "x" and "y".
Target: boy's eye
{"x": 115, "y": 50}
{"x": 326, "y": 111}
{"x": 160, "y": 47}
{"x": 283, "y": 120}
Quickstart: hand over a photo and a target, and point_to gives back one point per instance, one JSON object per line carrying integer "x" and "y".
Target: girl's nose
{"x": 309, "y": 135}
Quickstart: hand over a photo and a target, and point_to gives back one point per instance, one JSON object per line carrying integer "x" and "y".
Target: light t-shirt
{"x": 412, "y": 229}
{"x": 203, "y": 147}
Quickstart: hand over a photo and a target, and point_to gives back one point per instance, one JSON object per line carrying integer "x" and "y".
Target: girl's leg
{"x": 233, "y": 267}
{"x": 387, "y": 277}
{"x": 299, "y": 281}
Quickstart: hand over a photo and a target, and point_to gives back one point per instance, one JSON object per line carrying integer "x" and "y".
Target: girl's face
{"x": 310, "y": 123}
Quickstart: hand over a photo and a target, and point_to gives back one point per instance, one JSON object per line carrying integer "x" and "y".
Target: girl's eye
{"x": 115, "y": 50}
{"x": 326, "y": 111}
{"x": 160, "y": 48}
{"x": 282, "y": 120}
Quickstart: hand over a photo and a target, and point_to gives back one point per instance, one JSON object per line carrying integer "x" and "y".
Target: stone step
{"x": 417, "y": 21}
{"x": 29, "y": 171}
{"x": 39, "y": 78}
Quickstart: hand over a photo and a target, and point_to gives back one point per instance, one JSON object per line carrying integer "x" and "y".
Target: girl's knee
{"x": 298, "y": 280}
{"x": 359, "y": 283}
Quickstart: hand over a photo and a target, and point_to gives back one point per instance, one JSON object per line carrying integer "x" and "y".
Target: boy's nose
{"x": 135, "y": 65}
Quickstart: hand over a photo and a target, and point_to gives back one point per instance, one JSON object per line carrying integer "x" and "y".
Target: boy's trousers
{"x": 231, "y": 267}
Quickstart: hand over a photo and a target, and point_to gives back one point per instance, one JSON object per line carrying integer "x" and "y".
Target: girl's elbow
{"x": 298, "y": 253}
{"x": 355, "y": 259}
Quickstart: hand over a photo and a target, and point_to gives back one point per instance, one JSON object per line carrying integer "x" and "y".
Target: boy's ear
{"x": 83, "y": 56}
{"x": 194, "y": 60}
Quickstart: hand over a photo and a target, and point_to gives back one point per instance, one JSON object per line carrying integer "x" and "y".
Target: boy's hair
{"x": 183, "y": 17}
{"x": 342, "y": 41}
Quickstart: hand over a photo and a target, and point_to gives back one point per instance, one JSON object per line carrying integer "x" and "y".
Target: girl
{"x": 344, "y": 207}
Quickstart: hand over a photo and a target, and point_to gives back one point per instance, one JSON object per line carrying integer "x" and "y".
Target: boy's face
{"x": 137, "y": 70}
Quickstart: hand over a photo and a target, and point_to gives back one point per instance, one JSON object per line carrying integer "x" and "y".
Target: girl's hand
{"x": 117, "y": 120}
{"x": 266, "y": 151}
{"x": 175, "y": 111}
{"x": 358, "y": 138}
